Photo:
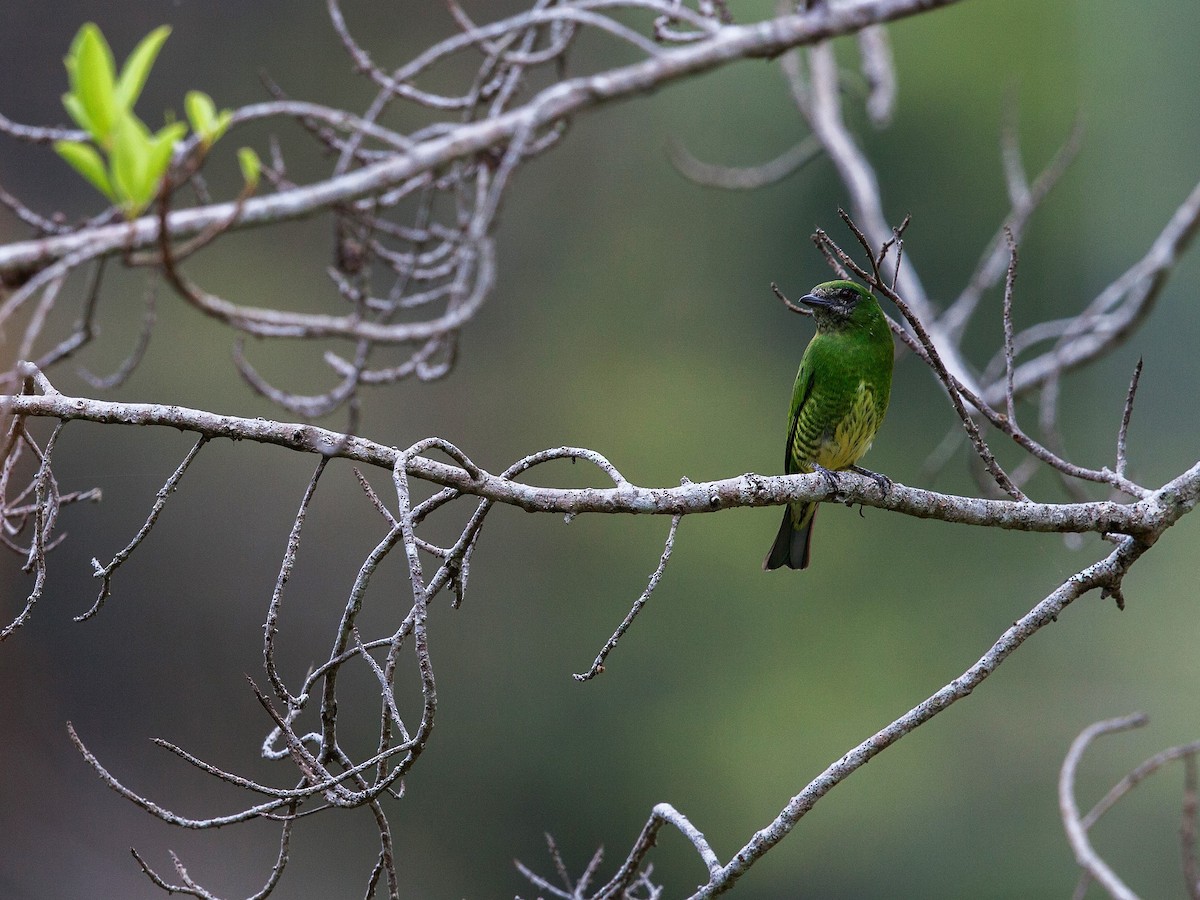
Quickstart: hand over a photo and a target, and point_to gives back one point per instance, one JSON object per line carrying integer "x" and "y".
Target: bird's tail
{"x": 792, "y": 544}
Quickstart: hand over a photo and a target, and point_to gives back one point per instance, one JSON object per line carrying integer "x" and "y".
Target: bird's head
{"x": 841, "y": 305}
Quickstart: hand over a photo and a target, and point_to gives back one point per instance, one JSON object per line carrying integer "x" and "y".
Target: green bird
{"x": 838, "y": 403}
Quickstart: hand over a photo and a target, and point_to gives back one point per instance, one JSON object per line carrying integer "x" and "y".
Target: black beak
{"x": 814, "y": 300}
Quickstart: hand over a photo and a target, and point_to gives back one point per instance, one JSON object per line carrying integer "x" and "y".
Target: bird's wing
{"x": 805, "y": 379}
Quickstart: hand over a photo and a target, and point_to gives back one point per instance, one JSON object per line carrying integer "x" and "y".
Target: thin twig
{"x": 1123, "y": 431}
{"x": 45, "y": 512}
{"x": 271, "y": 624}
{"x": 1024, "y": 203}
{"x": 611, "y": 643}
{"x": 1009, "y": 280}
{"x": 105, "y": 573}
{"x": 794, "y": 307}
{"x": 1135, "y": 777}
{"x": 133, "y": 360}
{"x": 1085, "y": 854}
{"x": 744, "y": 178}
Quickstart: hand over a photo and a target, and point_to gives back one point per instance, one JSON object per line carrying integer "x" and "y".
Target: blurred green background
{"x": 633, "y": 316}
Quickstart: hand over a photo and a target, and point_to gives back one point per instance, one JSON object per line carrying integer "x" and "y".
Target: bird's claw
{"x": 884, "y": 483}
{"x": 835, "y": 487}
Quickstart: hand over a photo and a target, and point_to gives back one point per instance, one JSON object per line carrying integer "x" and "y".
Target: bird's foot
{"x": 884, "y": 483}
{"x": 835, "y": 487}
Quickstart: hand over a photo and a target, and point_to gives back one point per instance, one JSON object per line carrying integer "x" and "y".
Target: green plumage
{"x": 838, "y": 403}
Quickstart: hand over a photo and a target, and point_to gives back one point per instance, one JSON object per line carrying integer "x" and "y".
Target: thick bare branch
{"x": 1145, "y": 517}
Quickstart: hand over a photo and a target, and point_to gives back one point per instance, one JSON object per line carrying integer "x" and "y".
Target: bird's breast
{"x": 848, "y": 436}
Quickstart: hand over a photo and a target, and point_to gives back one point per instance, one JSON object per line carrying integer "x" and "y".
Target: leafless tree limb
{"x": 1077, "y": 826}
{"x": 1117, "y": 310}
{"x": 611, "y": 643}
{"x": 1123, "y": 431}
{"x": 1025, "y": 200}
{"x": 1085, "y": 855}
{"x": 105, "y": 573}
{"x": 731, "y": 42}
{"x": 1144, "y": 520}
{"x": 722, "y": 877}
{"x": 747, "y": 177}
{"x": 1158, "y": 509}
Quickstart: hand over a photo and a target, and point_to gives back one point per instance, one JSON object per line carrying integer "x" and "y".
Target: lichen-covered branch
{"x": 1145, "y": 517}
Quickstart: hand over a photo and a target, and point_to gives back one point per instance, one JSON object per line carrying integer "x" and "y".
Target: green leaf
{"x": 87, "y": 32}
{"x": 137, "y": 66}
{"x": 250, "y": 165}
{"x": 91, "y": 71}
{"x": 73, "y": 50}
{"x": 76, "y": 111}
{"x": 129, "y": 160}
{"x": 140, "y": 160}
{"x": 86, "y": 160}
{"x": 208, "y": 124}
{"x": 201, "y": 112}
